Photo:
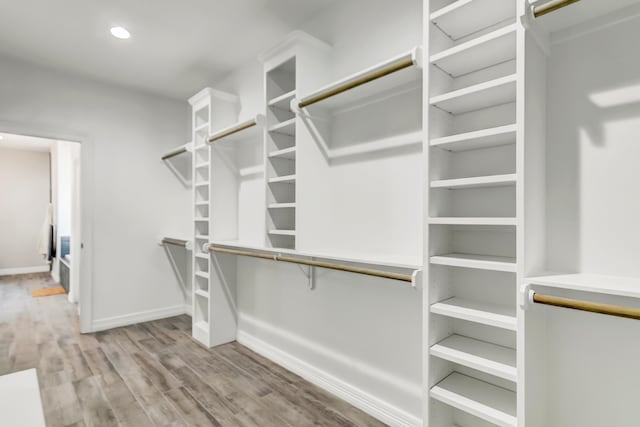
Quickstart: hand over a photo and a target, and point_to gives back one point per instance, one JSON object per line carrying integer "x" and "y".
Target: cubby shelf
{"x": 202, "y": 184}
{"x": 472, "y": 221}
{"x": 288, "y": 127}
{"x": 484, "y": 138}
{"x": 203, "y": 275}
{"x": 483, "y": 95}
{"x": 202, "y": 128}
{"x": 286, "y": 179}
{"x": 205, "y": 203}
{"x": 201, "y": 219}
{"x": 482, "y": 262}
{"x": 202, "y": 256}
{"x": 201, "y": 237}
{"x": 465, "y": 17}
{"x": 490, "y": 49}
{"x": 200, "y": 147}
{"x": 282, "y": 205}
{"x": 475, "y": 182}
{"x": 481, "y": 399}
{"x": 474, "y": 311}
{"x": 202, "y": 165}
{"x": 480, "y": 355}
{"x": 283, "y": 232}
{"x": 285, "y": 153}
{"x": 202, "y": 293}
{"x": 283, "y": 102}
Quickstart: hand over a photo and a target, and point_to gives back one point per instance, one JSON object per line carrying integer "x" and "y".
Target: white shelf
{"x": 475, "y": 182}
{"x": 484, "y": 138}
{"x": 201, "y": 219}
{"x": 200, "y": 147}
{"x": 472, "y": 221}
{"x": 202, "y": 256}
{"x": 383, "y": 85}
{"x": 203, "y": 275}
{"x": 202, "y": 237}
{"x": 202, "y": 293}
{"x": 482, "y": 52}
{"x": 287, "y": 179}
{"x": 283, "y": 102}
{"x": 481, "y": 262}
{"x": 202, "y": 184}
{"x": 285, "y": 153}
{"x": 465, "y": 17}
{"x": 473, "y": 311}
{"x": 483, "y": 400}
{"x": 202, "y": 203}
{"x": 480, "y": 355}
{"x": 600, "y": 284}
{"x": 288, "y": 127}
{"x": 283, "y": 232}
{"x": 203, "y": 326}
{"x": 483, "y": 95}
{"x": 388, "y": 260}
{"x": 282, "y": 205}
{"x": 202, "y": 165}
{"x": 202, "y": 128}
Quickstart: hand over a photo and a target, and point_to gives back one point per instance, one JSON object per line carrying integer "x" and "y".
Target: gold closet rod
{"x": 174, "y": 153}
{"x": 551, "y": 6}
{"x": 329, "y": 265}
{"x": 592, "y": 307}
{"x": 405, "y": 63}
{"x": 176, "y": 242}
{"x": 238, "y": 128}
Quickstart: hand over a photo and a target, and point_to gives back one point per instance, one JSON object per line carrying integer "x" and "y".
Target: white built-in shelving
{"x": 463, "y": 18}
{"x": 476, "y": 97}
{"x": 478, "y": 312}
{"x": 475, "y": 182}
{"x": 484, "y": 138}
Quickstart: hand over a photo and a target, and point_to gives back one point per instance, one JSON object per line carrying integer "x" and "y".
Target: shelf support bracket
{"x": 310, "y": 273}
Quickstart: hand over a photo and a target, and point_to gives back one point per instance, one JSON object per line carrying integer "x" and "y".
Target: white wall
{"x": 24, "y": 196}
{"x": 363, "y": 331}
{"x": 129, "y": 197}
{"x": 592, "y": 216}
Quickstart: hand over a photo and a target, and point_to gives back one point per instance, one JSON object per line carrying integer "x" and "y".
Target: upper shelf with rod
{"x": 396, "y": 72}
{"x": 556, "y": 15}
{"x": 245, "y": 130}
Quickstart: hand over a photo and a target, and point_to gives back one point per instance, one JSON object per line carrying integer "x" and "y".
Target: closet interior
{"x": 476, "y": 167}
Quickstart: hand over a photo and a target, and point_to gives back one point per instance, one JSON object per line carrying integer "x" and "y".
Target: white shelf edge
{"x": 471, "y": 44}
{"x": 279, "y": 127}
{"x": 481, "y": 399}
{"x": 202, "y": 275}
{"x": 283, "y": 179}
{"x": 480, "y": 355}
{"x": 477, "y": 312}
{"x": 592, "y": 283}
{"x": 478, "y": 135}
{"x": 277, "y": 232}
{"x": 475, "y": 182}
{"x": 282, "y": 98}
{"x": 479, "y": 262}
{"x": 283, "y": 152}
{"x": 498, "y": 221}
{"x": 281, "y": 205}
{"x": 473, "y": 90}
{"x": 202, "y": 237}
{"x": 202, "y": 293}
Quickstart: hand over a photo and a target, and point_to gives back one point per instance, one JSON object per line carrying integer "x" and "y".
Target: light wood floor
{"x": 151, "y": 374}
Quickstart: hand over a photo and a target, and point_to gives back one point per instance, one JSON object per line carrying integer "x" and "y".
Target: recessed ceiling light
{"x": 120, "y": 33}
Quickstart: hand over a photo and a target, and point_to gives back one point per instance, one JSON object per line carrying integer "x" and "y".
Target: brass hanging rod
{"x": 592, "y": 307}
{"x": 234, "y": 129}
{"x": 174, "y": 153}
{"x": 390, "y": 69}
{"x": 332, "y": 266}
{"x": 552, "y": 6}
{"x": 176, "y": 242}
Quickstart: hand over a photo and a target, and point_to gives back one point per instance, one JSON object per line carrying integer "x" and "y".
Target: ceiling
{"x": 25, "y": 143}
{"x": 176, "y": 47}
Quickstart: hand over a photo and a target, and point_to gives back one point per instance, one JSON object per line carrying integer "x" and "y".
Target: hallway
{"x": 151, "y": 374}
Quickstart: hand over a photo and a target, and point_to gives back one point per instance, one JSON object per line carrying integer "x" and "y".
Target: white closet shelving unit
{"x": 211, "y": 110}
{"x": 476, "y": 213}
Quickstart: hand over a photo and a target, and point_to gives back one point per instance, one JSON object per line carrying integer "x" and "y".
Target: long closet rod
{"x": 392, "y": 68}
{"x": 329, "y": 265}
{"x": 235, "y": 129}
{"x": 176, "y": 242}
{"x": 593, "y": 307}
{"x": 174, "y": 153}
{"x": 552, "y": 6}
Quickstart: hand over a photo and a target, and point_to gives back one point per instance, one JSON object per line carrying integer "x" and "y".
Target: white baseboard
{"x": 188, "y": 310}
{"x": 139, "y": 317}
{"x": 372, "y": 405}
{"x": 24, "y": 270}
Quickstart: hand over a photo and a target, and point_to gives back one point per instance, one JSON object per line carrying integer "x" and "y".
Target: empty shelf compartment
{"x": 482, "y": 262}
{"x": 465, "y": 17}
{"x": 475, "y": 182}
{"x": 481, "y": 399}
{"x": 484, "y": 138}
{"x": 287, "y": 179}
{"x": 287, "y": 127}
{"x": 286, "y": 153}
{"x": 283, "y": 101}
{"x": 498, "y": 221}
{"x": 483, "y": 95}
{"x": 480, "y": 355}
{"x": 479, "y": 312}
{"x": 490, "y": 49}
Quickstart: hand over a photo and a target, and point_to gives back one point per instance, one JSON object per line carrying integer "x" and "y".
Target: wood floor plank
{"x": 151, "y": 374}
